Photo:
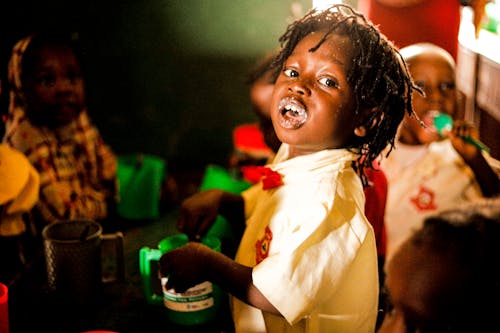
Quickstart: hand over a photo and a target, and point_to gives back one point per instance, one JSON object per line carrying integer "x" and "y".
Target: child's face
{"x": 436, "y": 77}
{"x": 54, "y": 88}
{"x": 312, "y": 106}
{"x": 417, "y": 281}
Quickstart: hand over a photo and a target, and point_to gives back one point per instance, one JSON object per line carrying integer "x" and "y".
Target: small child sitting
{"x": 307, "y": 260}
{"x": 48, "y": 122}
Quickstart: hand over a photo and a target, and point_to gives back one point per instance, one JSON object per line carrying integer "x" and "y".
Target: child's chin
{"x": 60, "y": 121}
{"x": 429, "y": 137}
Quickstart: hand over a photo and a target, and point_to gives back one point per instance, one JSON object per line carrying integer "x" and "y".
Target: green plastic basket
{"x": 219, "y": 177}
{"x": 140, "y": 178}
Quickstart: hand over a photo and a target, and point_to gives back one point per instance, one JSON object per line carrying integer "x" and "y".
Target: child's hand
{"x": 185, "y": 266}
{"x": 198, "y": 213}
{"x": 460, "y": 130}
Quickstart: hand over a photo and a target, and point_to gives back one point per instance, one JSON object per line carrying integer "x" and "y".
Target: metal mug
{"x": 78, "y": 256}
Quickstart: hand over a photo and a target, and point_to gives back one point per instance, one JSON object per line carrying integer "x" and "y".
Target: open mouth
{"x": 293, "y": 113}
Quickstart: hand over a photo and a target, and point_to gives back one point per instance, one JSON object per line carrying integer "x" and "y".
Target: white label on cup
{"x": 196, "y": 298}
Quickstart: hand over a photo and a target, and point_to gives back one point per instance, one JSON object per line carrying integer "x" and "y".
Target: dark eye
{"x": 326, "y": 81}
{"x": 420, "y": 84}
{"x": 447, "y": 87}
{"x": 73, "y": 76}
{"x": 46, "y": 80}
{"x": 291, "y": 72}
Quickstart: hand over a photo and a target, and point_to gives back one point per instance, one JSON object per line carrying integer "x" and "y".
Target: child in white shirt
{"x": 308, "y": 258}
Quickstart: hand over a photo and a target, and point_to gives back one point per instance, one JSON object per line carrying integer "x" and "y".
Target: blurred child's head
{"x": 446, "y": 277}
{"x": 46, "y": 75}
{"x": 261, "y": 81}
{"x": 433, "y": 70}
{"x": 340, "y": 84}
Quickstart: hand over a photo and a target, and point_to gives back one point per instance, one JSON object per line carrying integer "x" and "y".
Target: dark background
{"x": 164, "y": 77}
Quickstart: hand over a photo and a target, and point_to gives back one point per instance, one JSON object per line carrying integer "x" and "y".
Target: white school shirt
{"x": 423, "y": 180}
{"x": 320, "y": 259}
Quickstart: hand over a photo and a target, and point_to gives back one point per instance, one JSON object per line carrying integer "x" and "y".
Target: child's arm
{"x": 198, "y": 212}
{"x": 485, "y": 175}
{"x": 194, "y": 263}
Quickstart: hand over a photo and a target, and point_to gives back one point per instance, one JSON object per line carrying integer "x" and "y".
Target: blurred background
{"x": 165, "y": 77}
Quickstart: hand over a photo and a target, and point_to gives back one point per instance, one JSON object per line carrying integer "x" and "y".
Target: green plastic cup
{"x": 199, "y": 304}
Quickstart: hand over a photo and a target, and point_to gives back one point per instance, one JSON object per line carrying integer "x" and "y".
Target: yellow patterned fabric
{"x": 77, "y": 169}
{"x": 19, "y": 185}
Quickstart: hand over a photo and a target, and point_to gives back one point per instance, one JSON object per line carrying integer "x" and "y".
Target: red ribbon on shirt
{"x": 270, "y": 178}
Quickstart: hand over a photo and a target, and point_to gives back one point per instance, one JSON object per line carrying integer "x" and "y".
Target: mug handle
{"x": 146, "y": 256}
{"x": 112, "y": 247}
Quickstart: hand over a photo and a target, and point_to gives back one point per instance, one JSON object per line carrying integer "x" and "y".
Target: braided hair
{"x": 377, "y": 74}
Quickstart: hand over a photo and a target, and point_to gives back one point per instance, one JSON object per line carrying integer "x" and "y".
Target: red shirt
{"x": 376, "y": 197}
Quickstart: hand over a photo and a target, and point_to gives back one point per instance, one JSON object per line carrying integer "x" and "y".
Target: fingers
{"x": 464, "y": 129}
{"x": 188, "y": 221}
{"x": 195, "y": 222}
{"x": 164, "y": 264}
{"x": 192, "y": 227}
{"x": 177, "y": 284}
{"x": 169, "y": 278}
{"x": 182, "y": 267}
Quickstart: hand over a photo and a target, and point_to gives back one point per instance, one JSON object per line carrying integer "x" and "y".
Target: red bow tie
{"x": 254, "y": 174}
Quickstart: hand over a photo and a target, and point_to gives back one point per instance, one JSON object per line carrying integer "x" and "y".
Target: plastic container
{"x": 4, "y": 308}
{"x": 492, "y": 17}
{"x": 140, "y": 179}
{"x": 218, "y": 177}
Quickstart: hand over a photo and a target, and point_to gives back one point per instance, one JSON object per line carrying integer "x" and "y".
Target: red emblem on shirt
{"x": 262, "y": 246}
{"x": 424, "y": 200}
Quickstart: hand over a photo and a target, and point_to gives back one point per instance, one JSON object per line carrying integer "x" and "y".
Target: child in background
{"x": 445, "y": 277}
{"x": 256, "y": 143}
{"x": 261, "y": 81}
{"x": 308, "y": 258}
{"x": 427, "y": 172}
{"x": 48, "y": 122}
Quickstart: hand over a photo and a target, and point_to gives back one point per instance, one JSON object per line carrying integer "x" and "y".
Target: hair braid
{"x": 378, "y": 75}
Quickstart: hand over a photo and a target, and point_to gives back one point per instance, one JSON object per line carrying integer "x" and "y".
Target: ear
{"x": 366, "y": 123}
{"x": 360, "y": 131}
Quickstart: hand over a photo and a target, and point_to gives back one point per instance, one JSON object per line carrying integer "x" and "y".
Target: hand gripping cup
{"x": 199, "y": 304}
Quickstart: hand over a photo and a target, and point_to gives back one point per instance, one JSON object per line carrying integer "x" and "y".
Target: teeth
{"x": 290, "y": 105}
{"x": 293, "y": 113}
{"x": 295, "y": 109}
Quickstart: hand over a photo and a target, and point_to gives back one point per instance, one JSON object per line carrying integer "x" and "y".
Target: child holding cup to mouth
{"x": 431, "y": 170}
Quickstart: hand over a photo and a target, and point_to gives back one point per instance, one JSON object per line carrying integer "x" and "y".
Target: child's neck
{"x": 294, "y": 151}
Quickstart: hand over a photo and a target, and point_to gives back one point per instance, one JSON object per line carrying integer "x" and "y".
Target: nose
{"x": 434, "y": 94}
{"x": 64, "y": 85}
{"x": 300, "y": 87}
